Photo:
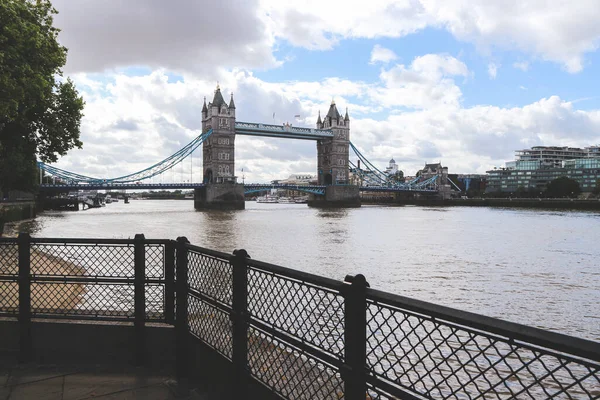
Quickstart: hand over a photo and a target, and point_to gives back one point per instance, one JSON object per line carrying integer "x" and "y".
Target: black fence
{"x": 301, "y": 336}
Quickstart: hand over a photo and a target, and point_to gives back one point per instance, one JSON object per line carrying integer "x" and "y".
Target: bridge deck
{"x": 281, "y": 131}
{"x": 249, "y": 188}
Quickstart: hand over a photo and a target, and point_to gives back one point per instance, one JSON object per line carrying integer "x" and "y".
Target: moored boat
{"x": 267, "y": 199}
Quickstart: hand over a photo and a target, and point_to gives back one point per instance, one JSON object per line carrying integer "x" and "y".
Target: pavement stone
{"x": 48, "y": 389}
{"x": 4, "y": 374}
{"x": 91, "y": 385}
{"x": 155, "y": 392}
{"x": 4, "y": 393}
{"x": 23, "y": 374}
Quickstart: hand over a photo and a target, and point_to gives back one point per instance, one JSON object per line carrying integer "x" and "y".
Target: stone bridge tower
{"x": 333, "y": 154}
{"x": 218, "y": 151}
{"x": 218, "y": 158}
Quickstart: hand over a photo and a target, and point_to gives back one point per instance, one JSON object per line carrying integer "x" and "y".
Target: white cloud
{"x": 200, "y": 37}
{"x": 558, "y": 32}
{"x": 133, "y": 122}
{"x": 179, "y": 35}
{"x": 382, "y": 55}
{"x": 426, "y": 83}
{"x": 492, "y": 70}
{"x": 523, "y": 66}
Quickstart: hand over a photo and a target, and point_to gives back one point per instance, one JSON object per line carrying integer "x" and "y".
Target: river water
{"x": 540, "y": 268}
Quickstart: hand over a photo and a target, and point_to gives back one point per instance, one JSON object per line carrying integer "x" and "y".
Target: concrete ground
{"x": 48, "y": 382}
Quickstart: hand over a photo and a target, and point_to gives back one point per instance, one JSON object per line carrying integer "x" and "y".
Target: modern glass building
{"x": 533, "y": 169}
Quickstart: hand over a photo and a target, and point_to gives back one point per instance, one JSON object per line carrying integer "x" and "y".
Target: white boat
{"x": 267, "y": 199}
{"x": 301, "y": 200}
{"x": 286, "y": 200}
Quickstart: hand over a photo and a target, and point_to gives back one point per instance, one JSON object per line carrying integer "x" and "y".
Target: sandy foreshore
{"x": 44, "y": 296}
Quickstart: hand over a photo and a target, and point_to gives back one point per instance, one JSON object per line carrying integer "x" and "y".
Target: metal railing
{"x": 300, "y": 335}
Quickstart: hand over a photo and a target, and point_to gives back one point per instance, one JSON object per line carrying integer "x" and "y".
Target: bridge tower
{"x": 218, "y": 157}
{"x": 332, "y": 154}
{"x": 332, "y": 162}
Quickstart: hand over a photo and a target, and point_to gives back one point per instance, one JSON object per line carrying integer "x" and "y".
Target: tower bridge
{"x": 219, "y": 187}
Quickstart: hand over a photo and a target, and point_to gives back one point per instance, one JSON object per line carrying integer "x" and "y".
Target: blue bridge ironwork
{"x": 281, "y": 131}
{"x": 370, "y": 179}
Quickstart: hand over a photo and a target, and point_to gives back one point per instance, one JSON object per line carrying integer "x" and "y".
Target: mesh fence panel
{"x": 9, "y": 270}
{"x": 72, "y": 299}
{"x": 9, "y": 298}
{"x": 211, "y": 276}
{"x": 98, "y": 260}
{"x": 289, "y": 371}
{"x": 311, "y": 313}
{"x": 155, "y": 302}
{"x": 155, "y": 260}
{"x": 443, "y": 361}
{"x": 211, "y": 325}
{"x": 9, "y": 259}
{"x": 374, "y": 393}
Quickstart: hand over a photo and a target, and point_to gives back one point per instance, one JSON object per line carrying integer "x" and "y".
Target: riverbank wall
{"x": 564, "y": 204}
{"x": 16, "y": 211}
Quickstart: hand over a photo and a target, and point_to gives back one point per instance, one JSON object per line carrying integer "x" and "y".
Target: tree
{"x": 40, "y": 112}
{"x": 562, "y": 187}
{"x": 397, "y": 177}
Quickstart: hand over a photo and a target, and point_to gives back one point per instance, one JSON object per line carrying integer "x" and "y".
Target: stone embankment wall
{"x": 16, "y": 211}
{"x": 565, "y": 204}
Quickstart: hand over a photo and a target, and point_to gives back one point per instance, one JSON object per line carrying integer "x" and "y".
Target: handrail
{"x": 552, "y": 340}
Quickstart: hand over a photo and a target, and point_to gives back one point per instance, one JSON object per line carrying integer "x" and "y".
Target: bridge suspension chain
{"x": 381, "y": 178}
{"x": 147, "y": 173}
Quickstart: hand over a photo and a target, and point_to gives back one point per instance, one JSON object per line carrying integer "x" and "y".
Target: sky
{"x": 461, "y": 82}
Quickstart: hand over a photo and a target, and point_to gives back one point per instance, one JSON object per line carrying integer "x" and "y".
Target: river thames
{"x": 539, "y": 268}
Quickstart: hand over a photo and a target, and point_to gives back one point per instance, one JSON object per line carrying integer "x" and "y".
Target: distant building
{"x": 431, "y": 170}
{"x": 534, "y": 168}
{"x": 472, "y": 181}
{"x": 392, "y": 168}
{"x": 299, "y": 179}
{"x": 389, "y": 176}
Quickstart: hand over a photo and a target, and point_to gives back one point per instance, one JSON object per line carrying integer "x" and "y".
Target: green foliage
{"x": 563, "y": 187}
{"x": 39, "y": 114}
{"x": 397, "y": 177}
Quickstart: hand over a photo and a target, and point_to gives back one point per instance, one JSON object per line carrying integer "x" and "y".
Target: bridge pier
{"x": 220, "y": 196}
{"x": 337, "y": 196}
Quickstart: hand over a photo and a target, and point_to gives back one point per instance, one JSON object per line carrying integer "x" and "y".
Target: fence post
{"x": 170, "y": 282}
{"x": 139, "y": 298}
{"x": 25, "y": 337}
{"x": 355, "y": 335}
{"x": 239, "y": 318}
{"x": 182, "y": 348}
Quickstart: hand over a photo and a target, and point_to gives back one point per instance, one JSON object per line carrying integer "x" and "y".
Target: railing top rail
{"x": 213, "y": 253}
{"x": 81, "y": 241}
{"x": 513, "y": 331}
{"x": 8, "y": 240}
{"x": 94, "y": 241}
{"x": 298, "y": 275}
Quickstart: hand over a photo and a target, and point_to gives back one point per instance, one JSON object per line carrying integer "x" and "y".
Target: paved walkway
{"x": 48, "y": 382}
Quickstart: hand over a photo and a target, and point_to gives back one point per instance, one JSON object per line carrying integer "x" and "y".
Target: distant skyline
{"x": 462, "y": 82}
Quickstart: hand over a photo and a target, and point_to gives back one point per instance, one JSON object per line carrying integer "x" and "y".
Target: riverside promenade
{"x": 77, "y": 382}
